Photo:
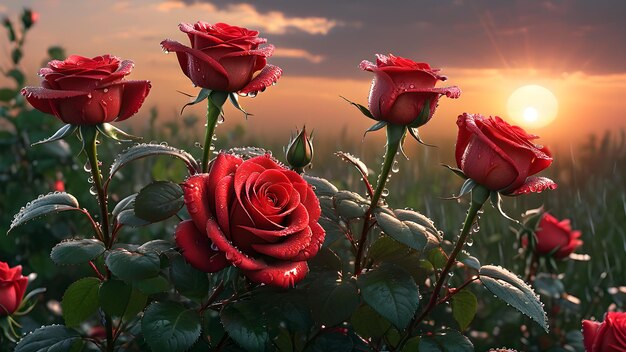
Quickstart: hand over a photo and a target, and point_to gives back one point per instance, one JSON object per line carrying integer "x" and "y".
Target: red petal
{"x": 284, "y": 274}
{"x": 367, "y": 66}
{"x": 590, "y": 330}
{"x": 297, "y": 221}
{"x": 186, "y": 53}
{"x": 232, "y": 254}
{"x": 133, "y": 96}
{"x": 224, "y": 165}
{"x": 317, "y": 240}
{"x": 267, "y": 77}
{"x": 198, "y": 206}
{"x": 224, "y": 195}
{"x": 265, "y": 51}
{"x": 288, "y": 248}
{"x": 196, "y": 248}
{"x": 534, "y": 184}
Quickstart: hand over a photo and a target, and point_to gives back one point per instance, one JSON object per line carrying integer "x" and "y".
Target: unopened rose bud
{"x": 29, "y": 18}
{"x": 300, "y": 151}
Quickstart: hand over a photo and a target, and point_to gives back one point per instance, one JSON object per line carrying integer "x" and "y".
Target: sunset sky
{"x": 574, "y": 48}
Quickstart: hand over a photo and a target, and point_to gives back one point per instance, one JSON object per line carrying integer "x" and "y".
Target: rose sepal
{"x": 202, "y": 95}
{"x": 234, "y": 99}
{"x": 456, "y": 171}
{"x": 27, "y": 306}
{"x": 364, "y": 110}
{"x": 496, "y": 201}
{"x": 61, "y": 133}
{"x": 115, "y": 133}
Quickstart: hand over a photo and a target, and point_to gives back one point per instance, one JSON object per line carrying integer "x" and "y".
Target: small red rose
{"x": 12, "y": 288}
{"x": 224, "y": 58}
{"x": 501, "y": 157}
{"x": 608, "y": 336}
{"x": 83, "y": 91}
{"x": 402, "y": 88}
{"x": 552, "y": 234}
{"x": 254, "y": 214}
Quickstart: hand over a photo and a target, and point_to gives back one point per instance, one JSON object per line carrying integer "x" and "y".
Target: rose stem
{"x": 479, "y": 195}
{"x": 212, "y": 115}
{"x": 395, "y": 134}
{"x": 90, "y": 141}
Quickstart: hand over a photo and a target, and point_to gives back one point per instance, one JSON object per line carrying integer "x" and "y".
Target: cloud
{"x": 273, "y": 22}
{"x": 298, "y": 54}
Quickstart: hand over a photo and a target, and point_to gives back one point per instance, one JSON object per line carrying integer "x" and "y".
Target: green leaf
{"x": 169, "y": 327}
{"x": 131, "y": 266}
{"x": 144, "y": 150}
{"x": 406, "y": 232}
{"x": 464, "y": 305}
{"x": 445, "y": 341}
{"x": 51, "y": 338}
{"x": 321, "y": 186}
{"x": 332, "y": 302}
{"x": 66, "y": 130}
{"x": 188, "y": 280}
{"x": 153, "y": 285}
{"x": 437, "y": 258}
{"x": 367, "y": 323}
{"x": 56, "y": 53}
{"x": 156, "y": 246}
{"x": 16, "y": 55}
{"x": 244, "y": 323}
{"x": 350, "y": 205}
{"x": 549, "y": 285}
{"x": 513, "y": 291}
{"x": 391, "y": 292}
{"x": 80, "y": 300}
{"x": 124, "y": 204}
{"x": 385, "y": 248}
{"x": 7, "y": 94}
{"x": 128, "y": 218}
{"x": 332, "y": 340}
{"x": 158, "y": 201}
{"x": 17, "y": 75}
{"x": 76, "y": 251}
{"x": 114, "y": 296}
{"x": 50, "y": 203}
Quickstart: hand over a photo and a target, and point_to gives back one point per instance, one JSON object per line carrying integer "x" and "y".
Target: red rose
{"x": 402, "y": 87}
{"x": 12, "y": 288}
{"x": 224, "y": 58}
{"x": 499, "y": 156}
{"x": 553, "y": 234}
{"x": 609, "y": 336}
{"x": 83, "y": 91}
{"x": 255, "y": 214}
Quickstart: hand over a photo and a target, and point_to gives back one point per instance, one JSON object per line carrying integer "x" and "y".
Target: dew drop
{"x": 87, "y": 167}
{"x": 395, "y": 167}
{"x": 106, "y": 90}
{"x": 93, "y": 191}
{"x": 385, "y": 192}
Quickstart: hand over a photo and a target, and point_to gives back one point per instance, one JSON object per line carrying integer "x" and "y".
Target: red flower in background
{"x": 552, "y": 234}
{"x": 608, "y": 336}
{"x": 254, "y": 214}
{"x": 500, "y": 156}
{"x": 224, "y": 58}
{"x": 12, "y": 288}
{"x": 83, "y": 91}
{"x": 401, "y": 88}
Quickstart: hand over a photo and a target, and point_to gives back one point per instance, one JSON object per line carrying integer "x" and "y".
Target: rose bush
{"x": 224, "y": 58}
{"x": 608, "y": 336}
{"x": 12, "y": 288}
{"x": 556, "y": 236}
{"x": 84, "y": 91}
{"x": 500, "y": 156}
{"x": 254, "y": 214}
{"x": 401, "y": 88}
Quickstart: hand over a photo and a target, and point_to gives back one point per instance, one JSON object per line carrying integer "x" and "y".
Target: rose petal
{"x": 233, "y": 255}
{"x": 222, "y": 166}
{"x": 284, "y": 274}
{"x": 224, "y": 195}
{"x": 265, "y": 51}
{"x": 590, "y": 330}
{"x": 133, "y": 95}
{"x": 317, "y": 240}
{"x": 534, "y": 184}
{"x": 267, "y": 77}
{"x": 195, "y": 191}
{"x": 289, "y": 246}
{"x": 296, "y": 221}
{"x": 196, "y": 248}
{"x": 198, "y": 66}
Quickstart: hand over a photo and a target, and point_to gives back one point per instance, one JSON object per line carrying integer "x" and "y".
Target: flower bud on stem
{"x": 480, "y": 195}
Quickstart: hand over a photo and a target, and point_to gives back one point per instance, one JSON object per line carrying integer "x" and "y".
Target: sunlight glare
{"x": 532, "y": 106}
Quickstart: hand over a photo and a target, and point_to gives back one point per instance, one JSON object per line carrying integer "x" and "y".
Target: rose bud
{"x": 12, "y": 288}
{"x": 224, "y": 58}
{"x": 608, "y": 336}
{"x": 29, "y": 18}
{"x": 501, "y": 157}
{"x": 403, "y": 91}
{"x": 555, "y": 237}
{"x": 254, "y": 214}
{"x": 299, "y": 152}
{"x": 83, "y": 91}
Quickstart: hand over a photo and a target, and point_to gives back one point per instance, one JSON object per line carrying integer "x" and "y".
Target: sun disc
{"x": 532, "y": 106}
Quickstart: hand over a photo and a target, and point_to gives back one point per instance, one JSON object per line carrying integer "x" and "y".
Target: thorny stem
{"x": 479, "y": 196}
{"x": 95, "y": 269}
{"x": 212, "y": 115}
{"x": 394, "y": 139}
{"x": 456, "y": 290}
{"x": 213, "y": 297}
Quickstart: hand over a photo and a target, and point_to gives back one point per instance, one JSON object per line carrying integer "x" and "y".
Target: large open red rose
{"x": 401, "y": 89}
{"x": 83, "y": 91}
{"x": 608, "y": 336}
{"x": 501, "y": 157}
{"x": 12, "y": 288}
{"x": 224, "y": 58}
{"x": 255, "y": 214}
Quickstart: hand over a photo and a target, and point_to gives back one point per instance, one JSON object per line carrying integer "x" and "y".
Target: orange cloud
{"x": 298, "y": 54}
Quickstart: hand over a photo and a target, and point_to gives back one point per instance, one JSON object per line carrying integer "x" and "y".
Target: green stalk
{"x": 395, "y": 135}
{"x": 212, "y": 115}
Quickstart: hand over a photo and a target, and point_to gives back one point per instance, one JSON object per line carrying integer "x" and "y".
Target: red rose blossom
{"x": 83, "y": 91}
{"x": 255, "y": 214}
{"x": 608, "y": 336}
{"x": 402, "y": 87}
{"x": 224, "y": 58}
{"x": 499, "y": 156}
{"x": 12, "y": 288}
{"x": 552, "y": 234}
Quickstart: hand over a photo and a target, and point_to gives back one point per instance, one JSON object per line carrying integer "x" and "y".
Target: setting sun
{"x": 532, "y": 106}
